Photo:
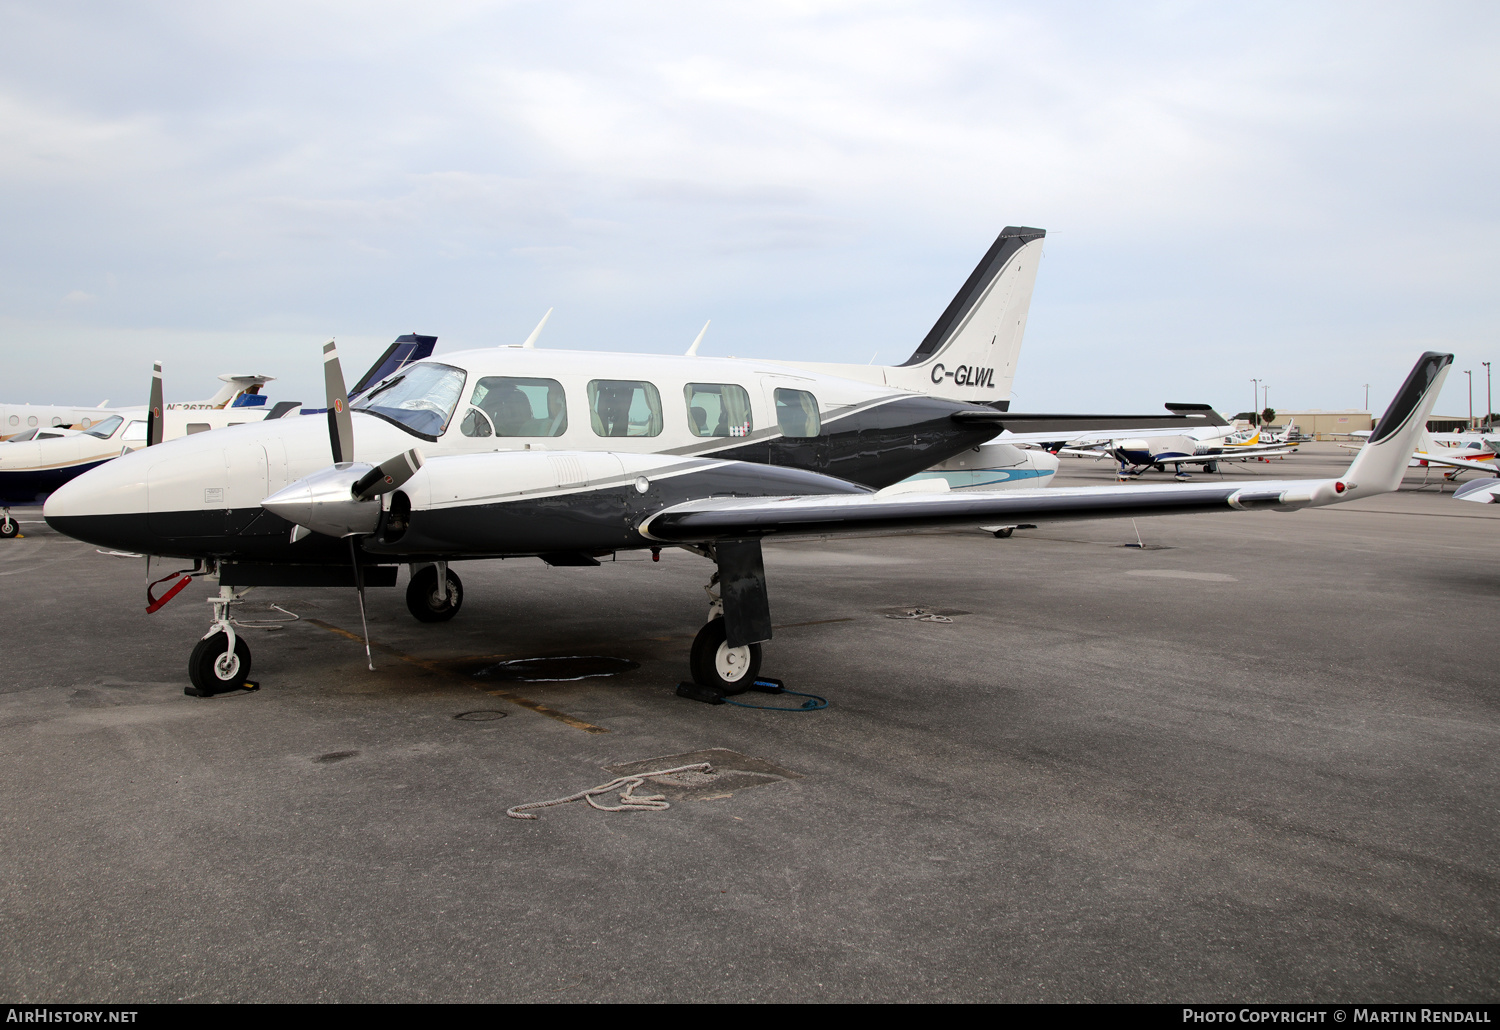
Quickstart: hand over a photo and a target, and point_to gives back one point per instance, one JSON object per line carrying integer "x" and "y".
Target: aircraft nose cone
{"x": 104, "y": 506}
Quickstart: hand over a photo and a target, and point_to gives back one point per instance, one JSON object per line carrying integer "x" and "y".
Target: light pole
{"x": 1367, "y": 397}
{"x": 1254, "y": 396}
{"x": 1489, "y": 405}
{"x": 1470, "y": 373}
{"x": 1265, "y": 399}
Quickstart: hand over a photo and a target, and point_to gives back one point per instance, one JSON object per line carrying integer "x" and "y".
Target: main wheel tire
{"x": 715, "y": 664}
{"x": 1004, "y": 533}
{"x": 213, "y": 668}
{"x": 9, "y": 529}
{"x": 422, "y": 598}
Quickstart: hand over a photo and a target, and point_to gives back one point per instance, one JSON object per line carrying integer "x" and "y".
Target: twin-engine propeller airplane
{"x": 1206, "y": 447}
{"x": 568, "y": 457}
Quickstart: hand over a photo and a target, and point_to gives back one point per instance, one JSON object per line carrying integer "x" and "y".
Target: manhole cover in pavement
{"x": 556, "y": 670}
{"x": 487, "y": 715}
{"x": 732, "y": 771}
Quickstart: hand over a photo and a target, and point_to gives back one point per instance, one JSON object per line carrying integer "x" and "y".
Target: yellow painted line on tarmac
{"x": 435, "y": 667}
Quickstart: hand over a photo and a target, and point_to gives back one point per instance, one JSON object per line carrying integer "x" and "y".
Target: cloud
{"x": 1292, "y": 191}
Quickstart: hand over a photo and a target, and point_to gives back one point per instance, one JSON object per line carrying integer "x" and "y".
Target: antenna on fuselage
{"x": 692, "y": 352}
{"x": 530, "y": 343}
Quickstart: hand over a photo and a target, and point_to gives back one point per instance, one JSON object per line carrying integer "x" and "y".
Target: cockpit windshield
{"x": 420, "y": 397}
{"x": 105, "y": 428}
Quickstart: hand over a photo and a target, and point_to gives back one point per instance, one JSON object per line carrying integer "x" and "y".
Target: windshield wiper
{"x": 380, "y": 389}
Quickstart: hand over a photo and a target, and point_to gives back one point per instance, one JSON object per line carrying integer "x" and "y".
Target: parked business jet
{"x": 37, "y": 462}
{"x": 570, "y": 457}
{"x": 17, "y": 420}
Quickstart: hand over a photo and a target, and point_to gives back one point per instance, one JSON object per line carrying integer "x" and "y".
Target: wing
{"x": 728, "y": 517}
{"x": 1376, "y": 469}
{"x": 1458, "y": 463}
{"x": 1480, "y": 491}
{"x": 1232, "y": 453}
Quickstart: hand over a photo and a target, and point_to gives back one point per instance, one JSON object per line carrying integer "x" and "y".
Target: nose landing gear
{"x": 9, "y": 528}
{"x": 221, "y": 661}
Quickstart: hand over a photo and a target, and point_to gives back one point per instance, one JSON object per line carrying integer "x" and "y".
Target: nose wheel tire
{"x": 422, "y": 596}
{"x": 9, "y": 528}
{"x": 715, "y": 664}
{"x": 214, "y": 668}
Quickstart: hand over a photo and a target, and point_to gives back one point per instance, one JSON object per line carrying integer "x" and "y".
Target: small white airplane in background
{"x": 1455, "y": 453}
{"x": 19, "y": 420}
{"x": 1206, "y": 447}
{"x": 1480, "y": 491}
{"x": 35, "y": 463}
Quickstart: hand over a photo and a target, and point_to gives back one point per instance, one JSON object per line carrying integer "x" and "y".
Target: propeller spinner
{"x": 336, "y": 501}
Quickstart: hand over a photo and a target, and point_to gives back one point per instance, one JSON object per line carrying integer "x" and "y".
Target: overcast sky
{"x": 1300, "y": 192}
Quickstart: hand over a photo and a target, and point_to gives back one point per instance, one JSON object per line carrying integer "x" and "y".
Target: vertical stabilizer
{"x": 970, "y": 353}
{"x": 1380, "y": 463}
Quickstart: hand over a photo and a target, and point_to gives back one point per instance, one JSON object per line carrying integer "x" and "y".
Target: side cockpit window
{"x": 134, "y": 433}
{"x": 718, "y": 409}
{"x": 624, "y": 407}
{"x": 797, "y": 413}
{"x": 514, "y": 406}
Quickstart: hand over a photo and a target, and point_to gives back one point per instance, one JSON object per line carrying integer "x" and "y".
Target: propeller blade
{"x": 387, "y": 476}
{"x": 340, "y": 423}
{"x": 155, "y": 426}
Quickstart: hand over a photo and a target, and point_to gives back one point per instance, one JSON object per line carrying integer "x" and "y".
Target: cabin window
{"x": 797, "y": 413}
{"x": 15, "y": 420}
{"x": 420, "y": 398}
{"x": 104, "y": 429}
{"x": 31, "y": 420}
{"x": 193, "y": 428}
{"x": 134, "y": 432}
{"x": 512, "y": 406}
{"x": 718, "y": 409}
{"x": 624, "y": 407}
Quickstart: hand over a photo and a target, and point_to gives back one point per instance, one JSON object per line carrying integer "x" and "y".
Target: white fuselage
{"x": 563, "y": 401}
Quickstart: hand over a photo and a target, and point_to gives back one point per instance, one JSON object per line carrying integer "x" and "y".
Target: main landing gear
{"x": 435, "y": 593}
{"x": 714, "y": 664}
{"x": 9, "y": 527}
{"x": 726, "y": 652}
